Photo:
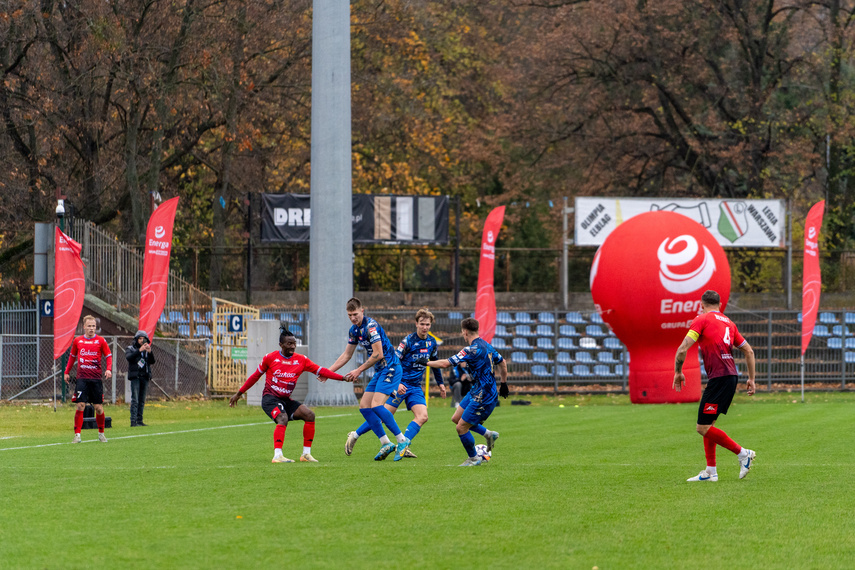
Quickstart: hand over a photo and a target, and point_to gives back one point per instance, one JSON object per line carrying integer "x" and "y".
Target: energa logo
{"x": 681, "y": 269}
{"x": 159, "y": 232}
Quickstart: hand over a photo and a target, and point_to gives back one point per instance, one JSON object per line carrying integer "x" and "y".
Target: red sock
{"x": 78, "y": 421}
{"x": 278, "y": 436}
{"x": 99, "y": 419}
{"x": 719, "y": 437}
{"x": 709, "y": 451}
{"x": 308, "y": 433}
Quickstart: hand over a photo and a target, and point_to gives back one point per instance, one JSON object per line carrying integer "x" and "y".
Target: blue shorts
{"x": 414, "y": 396}
{"x": 476, "y": 412}
{"x": 386, "y": 380}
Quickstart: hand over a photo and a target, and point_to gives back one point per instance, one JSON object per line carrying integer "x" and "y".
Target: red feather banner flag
{"x": 69, "y": 289}
{"x": 812, "y": 282}
{"x": 158, "y": 247}
{"x": 485, "y": 300}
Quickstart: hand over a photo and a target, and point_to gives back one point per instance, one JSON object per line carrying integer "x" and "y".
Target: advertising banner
{"x": 68, "y": 293}
{"x": 812, "y": 281}
{"x": 375, "y": 219}
{"x": 158, "y": 247}
{"x": 485, "y": 299}
{"x": 733, "y": 223}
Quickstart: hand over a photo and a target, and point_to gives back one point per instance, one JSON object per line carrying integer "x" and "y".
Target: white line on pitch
{"x": 159, "y": 433}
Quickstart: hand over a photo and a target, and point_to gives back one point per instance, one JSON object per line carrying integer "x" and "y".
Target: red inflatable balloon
{"x": 647, "y": 280}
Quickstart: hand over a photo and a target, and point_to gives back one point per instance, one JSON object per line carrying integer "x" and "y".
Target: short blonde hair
{"x": 89, "y": 318}
{"x": 424, "y": 314}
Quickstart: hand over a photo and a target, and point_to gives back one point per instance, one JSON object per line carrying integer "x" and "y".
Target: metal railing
{"x": 114, "y": 273}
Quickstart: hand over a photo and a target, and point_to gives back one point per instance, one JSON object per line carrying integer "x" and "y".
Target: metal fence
{"x": 28, "y": 371}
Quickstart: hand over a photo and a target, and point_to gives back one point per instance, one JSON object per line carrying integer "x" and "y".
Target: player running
{"x": 476, "y": 407}
{"x": 283, "y": 368}
{"x": 87, "y": 351}
{"x": 387, "y": 376}
{"x": 414, "y": 352}
{"x": 717, "y": 335}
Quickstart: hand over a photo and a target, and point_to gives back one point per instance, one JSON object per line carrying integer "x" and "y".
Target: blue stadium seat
{"x": 603, "y": 371}
{"x": 184, "y": 330}
{"x": 541, "y": 357}
{"x": 596, "y": 318}
{"x": 821, "y": 331}
{"x": 164, "y": 318}
{"x": 799, "y": 317}
{"x": 523, "y": 318}
{"x": 523, "y": 330}
{"x": 612, "y": 343}
{"x": 498, "y": 343}
{"x": 835, "y": 342}
{"x": 566, "y": 344}
{"x": 850, "y": 342}
{"x": 828, "y": 318}
{"x": 850, "y": 357}
{"x": 522, "y": 344}
{"x": 840, "y": 330}
{"x": 203, "y": 331}
{"x": 581, "y": 370}
{"x": 545, "y": 343}
{"x": 594, "y": 331}
{"x": 584, "y": 356}
{"x": 563, "y": 372}
{"x": 504, "y": 318}
{"x": 564, "y": 358}
{"x": 455, "y": 316}
{"x": 575, "y": 318}
{"x": 849, "y": 318}
{"x": 619, "y": 370}
{"x": 296, "y": 329}
{"x": 540, "y": 371}
{"x": 587, "y": 342}
{"x": 607, "y": 358}
{"x": 502, "y": 331}
{"x": 544, "y": 330}
{"x": 547, "y": 318}
{"x": 568, "y": 330}
{"x": 520, "y": 357}
{"x": 209, "y": 316}
{"x": 266, "y": 316}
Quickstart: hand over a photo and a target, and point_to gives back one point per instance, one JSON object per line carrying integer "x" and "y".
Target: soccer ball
{"x": 482, "y": 452}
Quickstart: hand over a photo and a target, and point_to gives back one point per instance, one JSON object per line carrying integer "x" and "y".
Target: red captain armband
{"x": 327, "y": 373}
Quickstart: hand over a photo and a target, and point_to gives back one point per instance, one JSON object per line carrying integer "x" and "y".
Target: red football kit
{"x": 87, "y": 352}
{"x": 718, "y": 336}
{"x": 283, "y": 373}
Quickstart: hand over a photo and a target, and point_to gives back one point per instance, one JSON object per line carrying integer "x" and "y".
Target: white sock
{"x": 385, "y": 439}
{"x": 307, "y": 450}
{"x": 743, "y": 453}
{"x": 277, "y": 452}
{"x": 355, "y": 435}
{"x": 711, "y": 469}
{"x": 400, "y": 437}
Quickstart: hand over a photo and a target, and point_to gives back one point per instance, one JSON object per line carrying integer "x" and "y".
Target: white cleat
{"x": 471, "y": 462}
{"x": 282, "y": 459}
{"x": 746, "y": 463}
{"x": 491, "y": 437}
{"x": 308, "y": 457}
{"x": 101, "y": 437}
{"x": 704, "y": 476}
{"x": 76, "y": 438}
{"x": 351, "y": 441}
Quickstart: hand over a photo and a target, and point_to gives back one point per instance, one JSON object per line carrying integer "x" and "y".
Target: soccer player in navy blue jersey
{"x": 414, "y": 352}
{"x": 476, "y": 407}
{"x": 387, "y": 375}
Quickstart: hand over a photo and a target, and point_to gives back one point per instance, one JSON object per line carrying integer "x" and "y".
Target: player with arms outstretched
{"x": 387, "y": 375}
{"x": 717, "y": 336}
{"x": 476, "y": 407}
{"x": 87, "y": 351}
{"x": 283, "y": 368}
{"x": 414, "y": 352}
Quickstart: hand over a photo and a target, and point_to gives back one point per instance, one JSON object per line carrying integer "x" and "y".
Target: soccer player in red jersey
{"x": 717, "y": 335}
{"x": 283, "y": 368}
{"x": 87, "y": 351}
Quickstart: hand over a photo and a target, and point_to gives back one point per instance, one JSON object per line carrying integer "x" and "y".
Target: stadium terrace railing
{"x": 227, "y": 350}
{"x": 28, "y": 371}
{"x": 114, "y": 273}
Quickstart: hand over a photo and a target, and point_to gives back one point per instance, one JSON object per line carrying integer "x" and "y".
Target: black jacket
{"x": 139, "y": 363}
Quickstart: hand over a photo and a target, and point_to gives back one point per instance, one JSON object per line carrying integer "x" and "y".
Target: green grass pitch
{"x": 595, "y": 483}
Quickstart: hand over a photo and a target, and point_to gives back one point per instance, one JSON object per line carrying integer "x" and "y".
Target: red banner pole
{"x": 158, "y": 248}
{"x": 485, "y": 300}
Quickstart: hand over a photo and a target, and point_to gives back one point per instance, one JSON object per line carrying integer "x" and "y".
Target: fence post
{"x": 1, "y": 366}
{"x": 769, "y": 354}
{"x": 555, "y": 350}
{"x": 177, "y": 356}
{"x": 115, "y": 352}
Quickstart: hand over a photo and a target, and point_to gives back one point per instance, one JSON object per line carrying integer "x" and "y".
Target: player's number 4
{"x": 727, "y": 340}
